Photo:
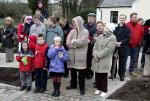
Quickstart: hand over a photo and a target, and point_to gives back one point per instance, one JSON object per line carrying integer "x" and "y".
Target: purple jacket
{"x": 56, "y": 62}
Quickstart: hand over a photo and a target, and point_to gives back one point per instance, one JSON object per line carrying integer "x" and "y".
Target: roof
{"x": 115, "y": 3}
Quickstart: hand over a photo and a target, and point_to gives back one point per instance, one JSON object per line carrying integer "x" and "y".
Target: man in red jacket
{"x": 40, "y": 64}
{"x": 135, "y": 40}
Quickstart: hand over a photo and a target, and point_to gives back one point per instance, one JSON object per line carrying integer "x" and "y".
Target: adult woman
{"x": 7, "y": 39}
{"x": 102, "y": 57}
{"x": 147, "y": 53}
{"x": 77, "y": 42}
{"x": 42, "y": 8}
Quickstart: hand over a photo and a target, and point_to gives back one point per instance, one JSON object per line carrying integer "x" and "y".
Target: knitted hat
{"x": 57, "y": 38}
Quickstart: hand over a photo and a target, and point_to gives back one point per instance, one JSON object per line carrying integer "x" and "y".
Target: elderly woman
{"x": 102, "y": 58}
{"x": 77, "y": 42}
{"x": 8, "y": 33}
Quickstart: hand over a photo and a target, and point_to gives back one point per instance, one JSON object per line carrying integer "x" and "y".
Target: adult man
{"x": 135, "y": 40}
{"x": 91, "y": 27}
{"x": 38, "y": 27}
{"x": 122, "y": 34}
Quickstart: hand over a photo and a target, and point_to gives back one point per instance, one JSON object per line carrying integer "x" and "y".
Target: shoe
{"x": 57, "y": 93}
{"x": 112, "y": 77}
{"x": 28, "y": 89}
{"x": 53, "y": 93}
{"x": 69, "y": 87}
{"x": 133, "y": 74}
{"x": 121, "y": 78}
{"x": 82, "y": 92}
{"x": 97, "y": 92}
{"x": 36, "y": 90}
{"x": 42, "y": 90}
{"x": 22, "y": 88}
{"x": 103, "y": 94}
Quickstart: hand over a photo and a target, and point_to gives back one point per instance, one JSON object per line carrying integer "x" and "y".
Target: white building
{"x": 109, "y": 10}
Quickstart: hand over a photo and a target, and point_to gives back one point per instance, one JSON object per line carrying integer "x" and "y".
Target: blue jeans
{"x": 133, "y": 58}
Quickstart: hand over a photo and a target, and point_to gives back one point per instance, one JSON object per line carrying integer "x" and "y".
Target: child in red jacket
{"x": 24, "y": 58}
{"x": 40, "y": 64}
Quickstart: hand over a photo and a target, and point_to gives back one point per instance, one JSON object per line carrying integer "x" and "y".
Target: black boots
{"x": 22, "y": 88}
{"x": 56, "y": 91}
{"x": 28, "y": 88}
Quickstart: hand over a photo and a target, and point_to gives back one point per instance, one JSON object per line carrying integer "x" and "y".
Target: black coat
{"x": 7, "y": 36}
{"x": 122, "y": 34}
{"x": 147, "y": 41}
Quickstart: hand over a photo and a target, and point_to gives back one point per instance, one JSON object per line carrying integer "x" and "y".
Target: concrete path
{"x": 11, "y": 93}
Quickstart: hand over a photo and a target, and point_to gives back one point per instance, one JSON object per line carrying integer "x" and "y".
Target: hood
{"x": 32, "y": 38}
{"x": 79, "y": 22}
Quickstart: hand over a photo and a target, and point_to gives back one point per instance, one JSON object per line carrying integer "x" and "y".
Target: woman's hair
{"x": 53, "y": 19}
{"x": 23, "y": 18}
{"x": 100, "y": 22}
{"x": 42, "y": 2}
{"x": 9, "y": 19}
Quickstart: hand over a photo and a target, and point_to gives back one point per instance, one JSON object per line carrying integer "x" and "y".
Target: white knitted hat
{"x": 57, "y": 38}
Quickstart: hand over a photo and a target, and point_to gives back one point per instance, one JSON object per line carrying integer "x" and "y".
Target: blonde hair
{"x": 9, "y": 19}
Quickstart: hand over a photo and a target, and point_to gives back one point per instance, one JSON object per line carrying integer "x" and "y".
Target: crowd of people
{"x": 47, "y": 45}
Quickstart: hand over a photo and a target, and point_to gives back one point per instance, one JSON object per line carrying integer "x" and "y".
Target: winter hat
{"x": 92, "y": 14}
{"x": 57, "y": 38}
{"x": 24, "y": 60}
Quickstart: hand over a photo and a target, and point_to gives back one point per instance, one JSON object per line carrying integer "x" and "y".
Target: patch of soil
{"x": 9, "y": 76}
{"x": 133, "y": 90}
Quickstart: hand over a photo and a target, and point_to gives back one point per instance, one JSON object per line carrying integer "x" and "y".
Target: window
{"x": 114, "y": 17}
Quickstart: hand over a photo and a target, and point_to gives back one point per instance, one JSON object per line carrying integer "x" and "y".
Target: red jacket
{"x": 40, "y": 55}
{"x": 137, "y": 32}
{"x": 20, "y": 29}
{"x": 22, "y": 67}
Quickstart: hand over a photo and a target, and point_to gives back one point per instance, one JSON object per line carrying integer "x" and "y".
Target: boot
{"x": 54, "y": 86}
{"x": 57, "y": 90}
{"x": 28, "y": 88}
{"x": 22, "y": 88}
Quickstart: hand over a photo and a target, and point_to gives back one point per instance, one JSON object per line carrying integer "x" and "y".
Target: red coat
{"x": 137, "y": 32}
{"x": 32, "y": 45}
{"x": 20, "y": 29}
{"x": 22, "y": 67}
{"x": 40, "y": 55}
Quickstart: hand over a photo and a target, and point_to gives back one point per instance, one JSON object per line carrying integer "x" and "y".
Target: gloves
{"x": 73, "y": 41}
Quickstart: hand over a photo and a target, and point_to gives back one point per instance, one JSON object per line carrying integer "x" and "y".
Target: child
{"x": 24, "y": 58}
{"x": 40, "y": 64}
{"x": 58, "y": 56}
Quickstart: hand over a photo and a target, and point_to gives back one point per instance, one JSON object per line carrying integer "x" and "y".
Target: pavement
{"x": 12, "y": 93}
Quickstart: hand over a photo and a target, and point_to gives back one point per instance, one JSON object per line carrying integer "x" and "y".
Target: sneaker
{"x": 97, "y": 92}
{"x": 69, "y": 87}
{"x": 36, "y": 90}
{"x": 22, "y": 88}
{"x": 82, "y": 92}
{"x": 133, "y": 74}
{"x": 103, "y": 94}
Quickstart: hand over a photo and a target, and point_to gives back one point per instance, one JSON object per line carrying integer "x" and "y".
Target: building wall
{"x": 142, "y": 8}
{"x": 104, "y": 13}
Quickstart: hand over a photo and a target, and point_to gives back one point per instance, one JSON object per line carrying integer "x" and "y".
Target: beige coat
{"x": 103, "y": 50}
{"x": 77, "y": 41}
